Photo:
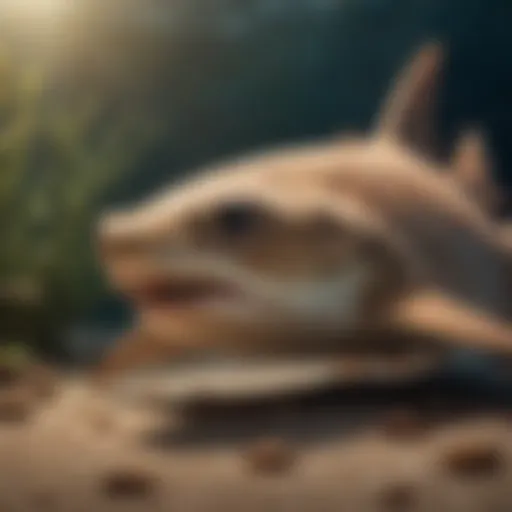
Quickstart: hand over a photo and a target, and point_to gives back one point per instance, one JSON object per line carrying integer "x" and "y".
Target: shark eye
{"x": 238, "y": 218}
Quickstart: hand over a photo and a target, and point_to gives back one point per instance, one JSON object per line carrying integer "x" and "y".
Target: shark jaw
{"x": 205, "y": 295}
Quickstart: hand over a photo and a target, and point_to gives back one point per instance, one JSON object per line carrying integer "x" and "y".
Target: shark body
{"x": 354, "y": 246}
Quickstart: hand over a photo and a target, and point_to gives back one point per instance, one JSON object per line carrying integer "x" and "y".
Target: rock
{"x": 270, "y": 455}
{"x": 398, "y": 497}
{"x": 476, "y": 459}
{"x": 129, "y": 483}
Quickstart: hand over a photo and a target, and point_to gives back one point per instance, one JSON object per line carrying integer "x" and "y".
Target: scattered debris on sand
{"x": 474, "y": 459}
{"x": 270, "y": 455}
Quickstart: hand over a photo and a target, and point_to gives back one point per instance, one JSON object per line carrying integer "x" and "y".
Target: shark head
{"x": 263, "y": 251}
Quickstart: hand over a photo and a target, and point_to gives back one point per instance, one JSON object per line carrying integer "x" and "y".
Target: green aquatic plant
{"x": 58, "y": 161}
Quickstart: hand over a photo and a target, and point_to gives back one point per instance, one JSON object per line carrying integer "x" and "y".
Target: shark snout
{"x": 134, "y": 247}
{"x": 117, "y": 236}
{"x": 134, "y": 233}
{"x": 124, "y": 250}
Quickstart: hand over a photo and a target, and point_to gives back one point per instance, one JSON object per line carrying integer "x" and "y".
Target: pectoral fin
{"x": 134, "y": 350}
{"x": 434, "y": 314}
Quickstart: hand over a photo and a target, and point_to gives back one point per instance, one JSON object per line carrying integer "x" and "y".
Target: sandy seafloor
{"x": 189, "y": 438}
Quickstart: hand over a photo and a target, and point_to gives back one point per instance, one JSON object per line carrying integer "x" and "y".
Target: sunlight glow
{"x": 36, "y": 14}
{"x": 41, "y": 26}
{"x": 36, "y": 9}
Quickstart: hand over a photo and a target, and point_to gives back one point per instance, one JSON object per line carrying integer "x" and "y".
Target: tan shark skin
{"x": 354, "y": 246}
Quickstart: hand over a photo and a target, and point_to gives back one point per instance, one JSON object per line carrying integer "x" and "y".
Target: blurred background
{"x": 104, "y": 101}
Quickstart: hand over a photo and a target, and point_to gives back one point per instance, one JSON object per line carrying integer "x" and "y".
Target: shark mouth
{"x": 183, "y": 292}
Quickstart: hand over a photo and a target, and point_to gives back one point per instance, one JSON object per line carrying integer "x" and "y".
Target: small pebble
{"x": 398, "y": 497}
{"x": 129, "y": 483}
{"x": 270, "y": 456}
{"x": 474, "y": 460}
{"x": 99, "y": 418}
{"x": 45, "y": 500}
{"x": 102, "y": 423}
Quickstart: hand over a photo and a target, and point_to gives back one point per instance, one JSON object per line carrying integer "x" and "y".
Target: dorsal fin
{"x": 472, "y": 167}
{"x": 433, "y": 313}
{"x": 404, "y": 115}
